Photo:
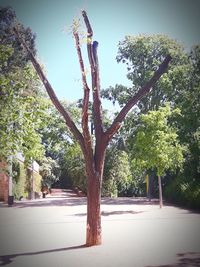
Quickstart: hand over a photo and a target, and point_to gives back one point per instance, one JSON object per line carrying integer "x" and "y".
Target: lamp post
{"x": 32, "y": 181}
{"x": 10, "y": 182}
{"x": 10, "y": 172}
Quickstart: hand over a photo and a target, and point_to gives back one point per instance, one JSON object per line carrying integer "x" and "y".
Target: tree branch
{"x": 93, "y": 59}
{"x": 89, "y": 39}
{"x": 97, "y": 109}
{"x": 86, "y": 133}
{"x": 142, "y": 92}
{"x": 51, "y": 93}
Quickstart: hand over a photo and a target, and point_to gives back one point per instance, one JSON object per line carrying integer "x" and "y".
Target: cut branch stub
{"x": 87, "y": 23}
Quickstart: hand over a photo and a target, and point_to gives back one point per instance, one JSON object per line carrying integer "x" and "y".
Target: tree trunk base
{"x": 92, "y": 243}
{"x": 93, "y": 238}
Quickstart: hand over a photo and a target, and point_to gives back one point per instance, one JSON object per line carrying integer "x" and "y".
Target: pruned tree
{"x": 93, "y": 151}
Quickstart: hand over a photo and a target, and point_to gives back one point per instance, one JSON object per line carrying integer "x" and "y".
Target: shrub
{"x": 183, "y": 191}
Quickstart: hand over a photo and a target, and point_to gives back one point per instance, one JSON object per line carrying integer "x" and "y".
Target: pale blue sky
{"x": 111, "y": 21}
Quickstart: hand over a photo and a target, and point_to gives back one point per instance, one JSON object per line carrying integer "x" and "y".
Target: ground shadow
{"x": 56, "y": 201}
{"x": 128, "y": 201}
{"x": 189, "y": 259}
{"x": 74, "y": 200}
{"x": 116, "y": 212}
{"x": 119, "y": 212}
{"x": 7, "y": 259}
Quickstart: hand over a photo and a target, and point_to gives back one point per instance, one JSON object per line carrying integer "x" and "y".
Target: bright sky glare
{"x": 111, "y": 21}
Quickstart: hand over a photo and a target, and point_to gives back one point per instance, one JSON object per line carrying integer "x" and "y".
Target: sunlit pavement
{"x": 51, "y": 232}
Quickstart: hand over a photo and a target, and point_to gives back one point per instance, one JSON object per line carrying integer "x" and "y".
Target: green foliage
{"x": 117, "y": 173}
{"x": 109, "y": 188}
{"x": 74, "y": 165}
{"x": 19, "y": 180}
{"x": 19, "y": 57}
{"x": 22, "y": 110}
{"x": 22, "y": 178}
{"x": 142, "y": 55}
{"x": 138, "y": 187}
{"x": 157, "y": 146}
{"x": 22, "y": 103}
{"x": 59, "y": 165}
{"x": 179, "y": 86}
{"x": 50, "y": 171}
{"x": 183, "y": 191}
{"x": 189, "y": 129}
{"x": 55, "y": 135}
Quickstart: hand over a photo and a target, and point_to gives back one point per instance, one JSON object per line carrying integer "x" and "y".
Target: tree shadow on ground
{"x": 115, "y": 212}
{"x": 189, "y": 259}
{"x": 7, "y": 259}
{"x": 74, "y": 200}
{"x": 47, "y": 202}
{"x": 129, "y": 201}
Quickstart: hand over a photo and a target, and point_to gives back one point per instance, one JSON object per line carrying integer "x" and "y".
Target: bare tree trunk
{"x": 160, "y": 192}
{"x": 94, "y": 171}
{"x": 93, "y": 235}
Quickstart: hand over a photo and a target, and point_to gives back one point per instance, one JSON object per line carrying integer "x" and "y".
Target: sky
{"x": 111, "y": 20}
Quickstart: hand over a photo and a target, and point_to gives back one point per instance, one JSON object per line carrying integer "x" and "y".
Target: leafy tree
{"x": 157, "y": 145}
{"x": 185, "y": 188}
{"x": 142, "y": 54}
{"x": 180, "y": 87}
{"x": 21, "y": 101}
{"x": 189, "y": 124}
{"x": 19, "y": 57}
{"x": 93, "y": 149}
{"x": 21, "y": 114}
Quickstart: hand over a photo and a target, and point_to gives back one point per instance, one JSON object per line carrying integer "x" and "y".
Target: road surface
{"x": 50, "y": 232}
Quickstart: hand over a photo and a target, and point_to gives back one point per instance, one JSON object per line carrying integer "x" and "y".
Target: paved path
{"x": 50, "y": 232}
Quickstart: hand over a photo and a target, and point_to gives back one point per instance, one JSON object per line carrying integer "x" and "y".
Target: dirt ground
{"x": 50, "y": 232}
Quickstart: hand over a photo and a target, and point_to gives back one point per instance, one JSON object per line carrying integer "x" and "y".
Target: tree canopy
{"x": 21, "y": 99}
{"x": 157, "y": 145}
{"x": 141, "y": 55}
{"x": 179, "y": 86}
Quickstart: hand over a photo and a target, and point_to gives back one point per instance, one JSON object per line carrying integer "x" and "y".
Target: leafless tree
{"x": 94, "y": 154}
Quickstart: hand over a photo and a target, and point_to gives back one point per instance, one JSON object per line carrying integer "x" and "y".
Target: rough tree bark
{"x": 94, "y": 154}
